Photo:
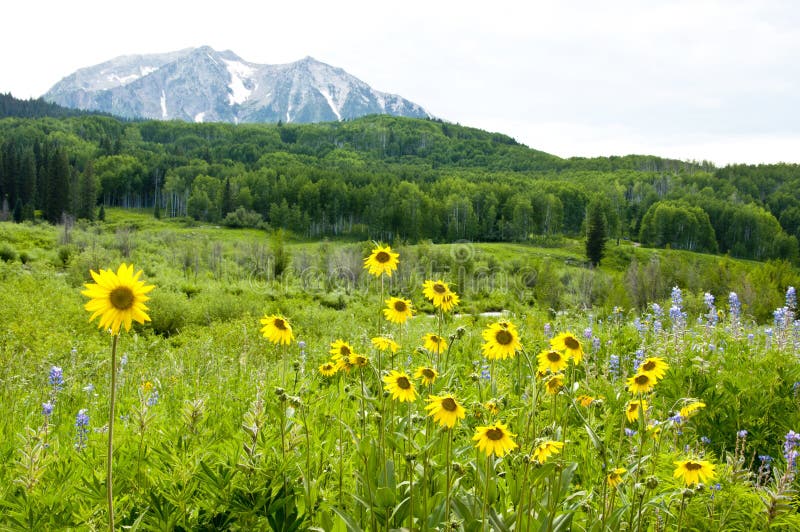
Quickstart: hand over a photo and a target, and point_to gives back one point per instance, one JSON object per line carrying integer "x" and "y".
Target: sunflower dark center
{"x": 449, "y": 404}
{"x": 279, "y": 324}
{"x": 428, "y": 373}
{"x": 439, "y": 288}
{"x": 361, "y": 360}
{"x": 571, "y": 343}
{"x": 400, "y": 306}
{"x": 494, "y": 434}
{"x": 633, "y": 407}
{"x": 554, "y": 356}
{"x": 121, "y": 298}
{"x": 503, "y": 337}
{"x": 693, "y": 466}
{"x": 649, "y": 366}
{"x": 382, "y": 257}
{"x": 344, "y": 350}
{"x": 642, "y": 380}
{"x": 403, "y": 383}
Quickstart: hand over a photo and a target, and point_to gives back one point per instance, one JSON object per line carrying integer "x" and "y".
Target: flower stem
{"x": 109, "y": 472}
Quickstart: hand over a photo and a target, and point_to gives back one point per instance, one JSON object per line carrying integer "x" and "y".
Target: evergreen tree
{"x": 227, "y": 200}
{"x": 87, "y": 196}
{"x": 59, "y": 177}
{"x": 17, "y": 214}
{"x": 596, "y": 233}
{"x": 102, "y": 214}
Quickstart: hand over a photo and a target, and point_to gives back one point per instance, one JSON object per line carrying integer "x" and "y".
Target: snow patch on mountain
{"x": 163, "y": 104}
{"x": 241, "y": 85}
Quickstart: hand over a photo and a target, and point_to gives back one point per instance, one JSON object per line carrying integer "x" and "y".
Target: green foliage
{"x": 389, "y": 178}
{"x": 243, "y": 435}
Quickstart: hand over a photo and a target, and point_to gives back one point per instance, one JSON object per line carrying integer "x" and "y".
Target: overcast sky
{"x": 715, "y": 80}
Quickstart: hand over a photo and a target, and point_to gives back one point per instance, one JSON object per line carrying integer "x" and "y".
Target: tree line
{"x": 389, "y": 178}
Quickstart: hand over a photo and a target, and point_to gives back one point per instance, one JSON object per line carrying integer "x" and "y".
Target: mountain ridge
{"x": 204, "y": 85}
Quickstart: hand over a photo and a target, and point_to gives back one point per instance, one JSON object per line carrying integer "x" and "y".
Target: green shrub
{"x": 8, "y": 253}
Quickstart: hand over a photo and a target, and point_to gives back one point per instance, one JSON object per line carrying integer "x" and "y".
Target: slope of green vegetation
{"x": 392, "y": 179}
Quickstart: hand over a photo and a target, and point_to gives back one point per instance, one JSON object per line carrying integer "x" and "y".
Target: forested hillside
{"x": 389, "y": 178}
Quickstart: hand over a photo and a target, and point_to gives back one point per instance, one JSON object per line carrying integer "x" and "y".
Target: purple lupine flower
{"x": 658, "y": 312}
{"x": 47, "y": 409}
{"x": 705, "y": 440}
{"x": 81, "y": 429}
{"x": 613, "y": 366}
{"x": 791, "y": 298}
{"x": 152, "y": 400}
{"x": 638, "y": 325}
{"x": 779, "y": 316}
{"x": 638, "y": 359}
{"x": 741, "y": 434}
{"x": 56, "y": 378}
{"x": 708, "y": 299}
{"x": 676, "y": 297}
{"x": 595, "y": 343}
{"x": 734, "y": 304}
{"x": 587, "y": 333}
{"x": 629, "y": 432}
{"x": 548, "y": 330}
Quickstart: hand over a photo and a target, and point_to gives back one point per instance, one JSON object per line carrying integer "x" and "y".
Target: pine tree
{"x": 102, "y": 214}
{"x": 227, "y": 201}
{"x": 596, "y": 234}
{"x": 87, "y": 193}
{"x": 17, "y": 214}
{"x": 58, "y": 184}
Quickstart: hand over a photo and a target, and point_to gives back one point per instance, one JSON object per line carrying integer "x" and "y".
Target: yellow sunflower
{"x": 445, "y": 410}
{"x": 655, "y": 367}
{"x": 277, "y": 329}
{"x": 569, "y": 344}
{"x": 553, "y": 360}
{"x": 614, "y": 478}
{"x": 502, "y": 341}
{"x": 585, "y": 400}
{"x": 343, "y": 364}
{"x": 544, "y": 450}
{"x": 494, "y": 439}
{"x": 492, "y": 407}
{"x": 641, "y": 383}
{"x": 694, "y": 471}
{"x": 328, "y": 369}
{"x": 691, "y": 408}
{"x": 385, "y": 344}
{"x": 398, "y": 310}
{"x": 340, "y": 348}
{"x": 400, "y": 386}
{"x": 554, "y": 383}
{"x": 382, "y": 260}
{"x": 118, "y": 298}
{"x": 435, "y": 291}
{"x": 632, "y": 410}
{"x": 428, "y": 375}
{"x": 450, "y": 301}
{"x": 434, "y": 343}
{"x": 359, "y": 361}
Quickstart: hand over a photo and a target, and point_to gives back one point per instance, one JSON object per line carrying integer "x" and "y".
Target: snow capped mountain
{"x": 203, "y": 85}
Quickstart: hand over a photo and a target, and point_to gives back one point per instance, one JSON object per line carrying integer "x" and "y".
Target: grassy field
{"x": 217, "y": 428}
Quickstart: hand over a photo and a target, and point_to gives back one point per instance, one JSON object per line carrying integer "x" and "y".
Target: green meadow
{"x": 217, "y": 428}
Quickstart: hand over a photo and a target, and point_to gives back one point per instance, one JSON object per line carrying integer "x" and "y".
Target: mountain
{"x": 204, "y": 85}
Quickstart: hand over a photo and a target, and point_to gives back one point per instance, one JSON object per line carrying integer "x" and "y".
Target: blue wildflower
{"x": 81, "y": 429}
